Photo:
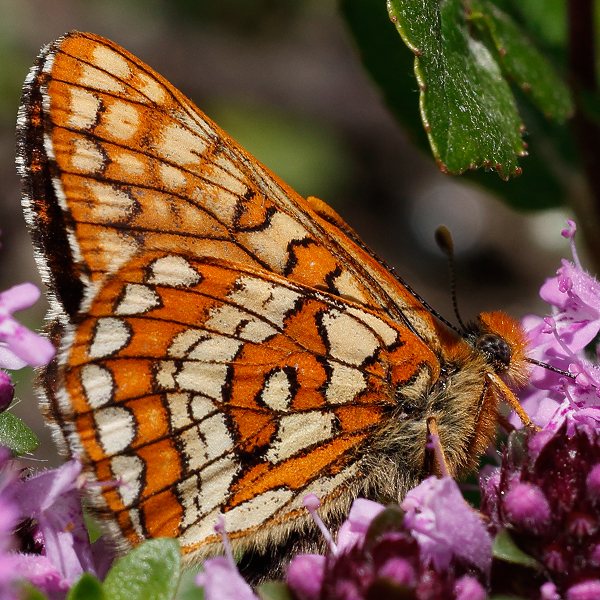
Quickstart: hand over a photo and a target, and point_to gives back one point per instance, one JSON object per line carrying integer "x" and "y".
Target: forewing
{"x": 116, "y": 161}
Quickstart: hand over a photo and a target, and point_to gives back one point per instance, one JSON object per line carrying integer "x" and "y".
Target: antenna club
{"x": 443, "y": 238}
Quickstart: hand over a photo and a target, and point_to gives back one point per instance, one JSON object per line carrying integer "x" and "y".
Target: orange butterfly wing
{"x": 226, "y": 345}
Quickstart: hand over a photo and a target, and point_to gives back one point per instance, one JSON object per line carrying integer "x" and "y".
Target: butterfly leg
{"x": 511, "y": 399}
{"x": 434, "y": 436}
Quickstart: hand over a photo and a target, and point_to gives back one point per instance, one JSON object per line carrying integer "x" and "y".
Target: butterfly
{"x": 226, "y": 346}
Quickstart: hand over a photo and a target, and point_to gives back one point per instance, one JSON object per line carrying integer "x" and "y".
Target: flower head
{"x": 548, "y": 499}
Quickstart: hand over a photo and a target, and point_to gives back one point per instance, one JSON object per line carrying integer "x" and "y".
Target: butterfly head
{"x": 503, "y": 342}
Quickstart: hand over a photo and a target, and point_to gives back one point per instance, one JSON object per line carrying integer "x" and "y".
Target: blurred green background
{"x": 282, "y": 77}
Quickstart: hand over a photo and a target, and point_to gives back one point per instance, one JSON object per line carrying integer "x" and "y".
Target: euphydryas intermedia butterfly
{"x": 225, "y": 346}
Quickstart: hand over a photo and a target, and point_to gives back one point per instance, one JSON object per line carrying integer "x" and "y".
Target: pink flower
{"x": 53, "y": 499}
{"x": 560, "y": 340}
{"x": 221, "y": 579}
{"x": 18, "y": 345}
{"x": 445, "y": 525}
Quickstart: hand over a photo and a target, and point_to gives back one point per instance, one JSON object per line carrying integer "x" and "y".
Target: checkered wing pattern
{"x": 226, "y": 346}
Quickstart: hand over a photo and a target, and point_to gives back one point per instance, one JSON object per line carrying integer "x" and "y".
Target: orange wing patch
{"x": 226, "y": 346}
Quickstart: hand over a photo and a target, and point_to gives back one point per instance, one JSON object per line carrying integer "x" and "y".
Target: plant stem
{"x": 582, "y": 53}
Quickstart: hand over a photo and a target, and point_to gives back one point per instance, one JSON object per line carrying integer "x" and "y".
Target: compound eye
{"x": 496, "y": 349}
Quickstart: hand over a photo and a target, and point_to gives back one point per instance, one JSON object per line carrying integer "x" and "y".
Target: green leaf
{"x": 505, "y": 549}
{"x": 274, "y": 590}
{"x": 87, "y": 588}
{"x": 31, "y": 593}
{"x": 188, "y": 590}
{"x": 14, "y": 434}
{"x": 390, "y": 63}
{"x": 150, "y": 571}
{"x": 467, "y": 108}
{"x": 522, "y": 61}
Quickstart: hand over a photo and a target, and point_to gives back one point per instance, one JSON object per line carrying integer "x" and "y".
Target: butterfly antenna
{"x": 443, "y": 238}
{"x": 539, "y": 363}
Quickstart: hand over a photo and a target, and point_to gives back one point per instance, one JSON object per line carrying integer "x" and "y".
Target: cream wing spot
{"x": 257, "y": 331}
{"x": 129, "y": 469}
{"x": 171, "y": 177}
{"x": 178, "y": 403}
{"x": 348, "y": 287}
{"x": 217, "y": 202}
{"x": 111, "y": 204}
{"x": 173, "y": 271}
{"x": 199, "y": 531}
{"x": 228, "y": 166}
{"x": 84, "y": 107}
{"x": 86, "y": 156}
{"x": 216, "y": 349}
{"x": 216, "y": 479}
{"x": 112, "y": 62}
{"x": 231, "y": 320}
{"x": 201, "y": 407}
{"x": 345, "y": 383}
{"x": 164, "y": 376}
{"x": 388, "y": 334}
{"x": 299, "y": 431}
{"x": 98, "y": 384}
{"x": 271, "y": 301}
{"x": 151, "y": 88}
{"x": 205, "y": 378}
{"x": 256, "y": 511}
{"x": 226, "y": 181}
{"x": 121, "y": 120}
{"x": 205, "y": 442}
{"x": 115, "y": 428}
{"x": 128, "y": 162}
{"x": 183, "y": 342}
{"x": 349, "y": 340}
{"x": 110, "y": 335}
{"x": 137, "y": 299}
{"x": 136, "y": 522}
{"x": 124, "y": 248}
{"x": 92, "y": 77}
{"x": 201, "y": 494}
{"x": 276, "y": 392}
{"x": 179, "y": 145}
{"x": 271, "y": 243}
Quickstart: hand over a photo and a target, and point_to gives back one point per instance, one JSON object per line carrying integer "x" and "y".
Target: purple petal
{"x": 53, "y": 498}
{"x": 548, "y": 591}
{"x": 586, "y": 590}
{"x": 445, "y": 525}
{"x": 592, "y": 484}
{"x": 354, "y": 529}
{"x": 18, "y": 297}
{"x": 222, "y": 581}
{"x": 39, "y": 571}
{"x": 22, "y": 343}
{"x": 305, "y": 576}
{"x": 7, "y": 391}
{"x": 9, "y": 360}
{"x": 569, "y": 232}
